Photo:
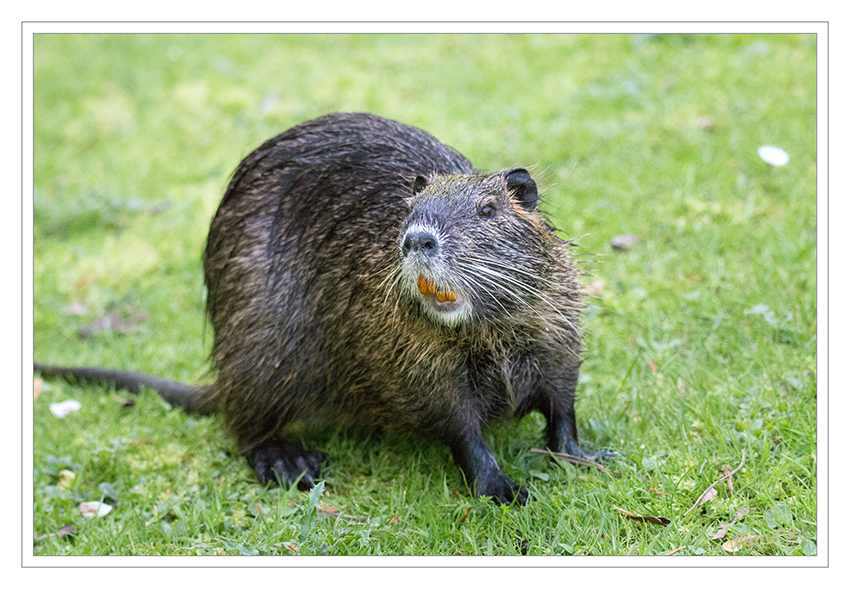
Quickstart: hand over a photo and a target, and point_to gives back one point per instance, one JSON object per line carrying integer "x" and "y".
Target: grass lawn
{"x": 700, "y": 337}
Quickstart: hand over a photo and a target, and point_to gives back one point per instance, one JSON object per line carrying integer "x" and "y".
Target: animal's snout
{"x": 420, "y": 240}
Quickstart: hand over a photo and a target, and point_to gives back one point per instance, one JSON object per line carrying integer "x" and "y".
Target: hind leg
{"x": 282, "y": 461}
{"x": 558, "y": 406}
{"x": 561, "y": 437}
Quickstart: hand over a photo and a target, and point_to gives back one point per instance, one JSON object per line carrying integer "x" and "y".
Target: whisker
{"x": 504, "y": 288}
{"x": 485, "y": 268}
{"x": 468, "y": 288}
{"x": 490, "y": 267}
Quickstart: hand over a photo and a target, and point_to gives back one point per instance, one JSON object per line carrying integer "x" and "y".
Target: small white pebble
{"x": 62, "y": 409}
{"x": 773, "y": 155}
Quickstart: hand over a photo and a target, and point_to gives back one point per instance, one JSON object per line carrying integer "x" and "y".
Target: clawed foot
{"x": 283, "y": 462}
{"x": 501, "y": 489}
{"x": 604, "y": 455}
{"x": 574, "y": 449}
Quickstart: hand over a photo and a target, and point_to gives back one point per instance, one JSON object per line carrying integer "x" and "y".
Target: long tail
{"x": 193, "y": 399}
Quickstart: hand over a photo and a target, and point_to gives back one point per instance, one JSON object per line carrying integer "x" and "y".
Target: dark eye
{"x": 487, "y": 210}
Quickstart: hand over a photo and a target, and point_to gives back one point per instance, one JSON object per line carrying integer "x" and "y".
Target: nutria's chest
{"x": 502, "y": 381}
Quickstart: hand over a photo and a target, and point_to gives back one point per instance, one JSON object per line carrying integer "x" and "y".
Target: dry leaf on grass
{"x": 624, "y": 242}
{"x": 66, "y": 530}
{"x": 721, "y": 530}
{"x": 700, "y": 500}
{"x": 738, "y": 543}
{"x": 75, "y": 308}
{"x": 125, "y": 402}
{"x": 261, "y": 511}
{"x": 160, "y": 207}
{"x": 94, "y": 508}
{"x": 728, "y": 478}
{"x": 706, "y": 123}
{"x": 126, "y": 322}
{"x": 66, "y": 479}
{"x": 707, "y": 496}
{"x": 652, "y": 519}
{"x": 85, "y": 281}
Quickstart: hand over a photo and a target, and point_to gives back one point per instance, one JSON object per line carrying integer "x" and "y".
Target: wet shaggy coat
{"x": 313, "y": 266}
{"x": 314, "y": 318}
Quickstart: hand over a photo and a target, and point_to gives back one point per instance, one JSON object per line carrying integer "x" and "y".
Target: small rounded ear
{"x": 522, "y": 187}
{"x": 419, "y": 184}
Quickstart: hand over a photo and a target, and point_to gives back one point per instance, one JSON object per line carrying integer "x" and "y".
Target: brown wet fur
{"x": 315, "y": 266}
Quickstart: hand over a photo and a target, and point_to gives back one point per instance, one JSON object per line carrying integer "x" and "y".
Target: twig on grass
{"x": 328, "y": 511}
{"x": 728, "y": 479}
{"x": 652, "y": 519}
{"x": 578, "y": 460}
{"x": 720, "y": 480}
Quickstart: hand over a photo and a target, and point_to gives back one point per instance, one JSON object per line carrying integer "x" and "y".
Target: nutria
{"x": 360, "y": 271}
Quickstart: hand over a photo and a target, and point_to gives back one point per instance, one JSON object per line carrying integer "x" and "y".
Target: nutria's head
{"x": 475, "y": 248}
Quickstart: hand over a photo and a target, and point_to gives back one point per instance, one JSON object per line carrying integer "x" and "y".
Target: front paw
{"x": 284, "y": 462}
{"x": 501, "y": 489}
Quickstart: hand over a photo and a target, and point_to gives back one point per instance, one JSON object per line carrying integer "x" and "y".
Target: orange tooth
{"x": 446, "y": 295}
{"x": 426, "y": 286}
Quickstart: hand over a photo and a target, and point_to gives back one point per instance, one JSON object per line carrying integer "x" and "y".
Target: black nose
{"x": 419, "y": 240}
